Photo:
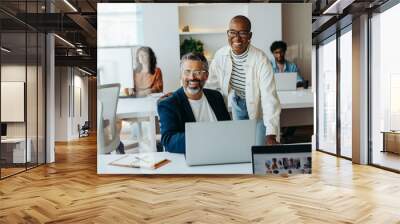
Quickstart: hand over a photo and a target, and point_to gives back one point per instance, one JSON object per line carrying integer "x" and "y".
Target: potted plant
{"x": 191, "y": 45}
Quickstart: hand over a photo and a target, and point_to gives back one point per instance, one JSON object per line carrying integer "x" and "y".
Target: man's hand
{"x": 166, "y": 95}
{"x": 271, "y": 140}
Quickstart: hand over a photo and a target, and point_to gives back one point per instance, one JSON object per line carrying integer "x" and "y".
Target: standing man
{"x": 280, "y": 64}
{"x": 244, "y": 73}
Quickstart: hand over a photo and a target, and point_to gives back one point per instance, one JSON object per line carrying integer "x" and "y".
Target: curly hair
{"x": 278, "y": 45}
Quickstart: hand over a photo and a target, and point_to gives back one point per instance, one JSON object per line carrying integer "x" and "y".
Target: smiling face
{"x": 239, "y": 43}
{"x": 193, "y": 78}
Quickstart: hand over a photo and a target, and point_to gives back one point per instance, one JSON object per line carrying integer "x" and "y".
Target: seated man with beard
{"x": 190, "y": 103}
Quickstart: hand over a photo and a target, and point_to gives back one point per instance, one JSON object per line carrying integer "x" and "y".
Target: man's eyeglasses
{"x": 196, "y": 73}
{"x": 242, "y": 34}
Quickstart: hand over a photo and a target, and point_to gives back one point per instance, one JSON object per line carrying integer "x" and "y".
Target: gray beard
{"x": 192, "y": 91}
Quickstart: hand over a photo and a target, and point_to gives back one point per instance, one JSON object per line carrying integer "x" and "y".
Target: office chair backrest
{"x": 86, "y": 126}
{"x": 108, "y": 138}
{"x": 100, "y": 129}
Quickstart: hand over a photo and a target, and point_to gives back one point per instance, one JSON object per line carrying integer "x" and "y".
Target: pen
{"x": 138, "y": 158}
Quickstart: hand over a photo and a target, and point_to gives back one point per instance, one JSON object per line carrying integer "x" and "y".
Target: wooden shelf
{"x": 202, "y": 32}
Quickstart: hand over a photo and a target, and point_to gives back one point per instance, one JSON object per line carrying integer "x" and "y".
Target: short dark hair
{"x": 278, "y": 45}
{"x": 194, "y": 56}
{"x": 152, "y": 60}
{"x": 243, "y": 18}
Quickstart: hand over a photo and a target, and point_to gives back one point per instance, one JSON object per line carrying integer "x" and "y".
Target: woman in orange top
{"x": 147, "y": 76}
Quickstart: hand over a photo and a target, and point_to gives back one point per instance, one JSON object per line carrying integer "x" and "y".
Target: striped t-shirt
{"x": 238, "y": 77}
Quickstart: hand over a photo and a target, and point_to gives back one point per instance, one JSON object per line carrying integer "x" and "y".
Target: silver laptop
{"x": 221, "y": 142}
{"x": 286, "y": 81}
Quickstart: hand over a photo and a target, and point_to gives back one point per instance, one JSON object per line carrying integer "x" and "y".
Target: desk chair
{"x": 107, "y": 135}
{"x": 84, "y": 129}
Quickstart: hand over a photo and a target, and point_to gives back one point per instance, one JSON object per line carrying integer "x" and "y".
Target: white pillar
{"x": 50, "y": 94}
{"x": 360, "y": 90}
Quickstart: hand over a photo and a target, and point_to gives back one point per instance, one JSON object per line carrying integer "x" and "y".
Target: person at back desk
{"x": 147, "y": 77}
{"x": 190, "y": 103}
{"x": 280, "y": 64}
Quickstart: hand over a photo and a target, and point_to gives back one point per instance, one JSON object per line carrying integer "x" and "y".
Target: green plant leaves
{"x": 191, "y": 45}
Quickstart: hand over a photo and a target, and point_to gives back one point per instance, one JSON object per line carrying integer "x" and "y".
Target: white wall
{"x": 266, "y": 24}
{"x": 221, "y": 15}
{"x": 160, "y": 32}
{"x": 296, "y": 23}
{"x": 213, "y": 28}
{"x": 61, "y": 103}
{"x": 67, "y": 80}
{"x": 80, "y": 82}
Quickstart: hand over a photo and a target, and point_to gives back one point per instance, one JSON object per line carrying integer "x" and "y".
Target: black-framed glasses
{"x": 234, "y": 33}
{"x": 195, "y": 73}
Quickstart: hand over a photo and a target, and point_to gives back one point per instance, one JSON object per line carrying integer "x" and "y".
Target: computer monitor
{"x": 3, "y": 129}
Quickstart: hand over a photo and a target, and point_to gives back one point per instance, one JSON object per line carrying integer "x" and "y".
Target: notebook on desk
{"x": 140, "y": 161}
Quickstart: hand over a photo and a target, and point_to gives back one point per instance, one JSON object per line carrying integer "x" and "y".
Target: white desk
{"x": 18, "y": 151}
{"x": 297, "y": 107}
{"x": 301, "y": 98}
{"x": 176, "y": 166}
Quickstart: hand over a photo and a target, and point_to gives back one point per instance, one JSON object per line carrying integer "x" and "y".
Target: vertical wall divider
{"x": 60, "y": 86}
{"x": 37, "y": 90}
{"x": 26, "y": 86}
{"x": 69, "y": 92}
{"x": 338, "y": 100}
{"x": 1, "y": 164}
{"x": 317, "y": 97}
{"x": 369, "y": 96}
{"x": 73, "y": 92}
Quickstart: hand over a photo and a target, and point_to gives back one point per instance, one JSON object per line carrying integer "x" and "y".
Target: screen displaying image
{"x": 291, "y": 163}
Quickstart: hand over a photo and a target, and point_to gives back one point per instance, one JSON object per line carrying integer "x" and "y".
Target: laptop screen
{"x": 286, "y": 81}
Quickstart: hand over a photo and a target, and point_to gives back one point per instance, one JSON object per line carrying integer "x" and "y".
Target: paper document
{"x": 140, "y": 161}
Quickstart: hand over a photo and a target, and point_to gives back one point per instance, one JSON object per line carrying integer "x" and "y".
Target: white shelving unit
{"x": 202, "y": 32}
{"x": 209, "y": 23}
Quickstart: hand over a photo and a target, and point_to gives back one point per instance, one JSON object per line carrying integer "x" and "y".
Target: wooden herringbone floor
{"x": 70, "y": 191}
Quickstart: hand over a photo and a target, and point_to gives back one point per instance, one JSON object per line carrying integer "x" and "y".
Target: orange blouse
{"x": 146, "y": 82}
